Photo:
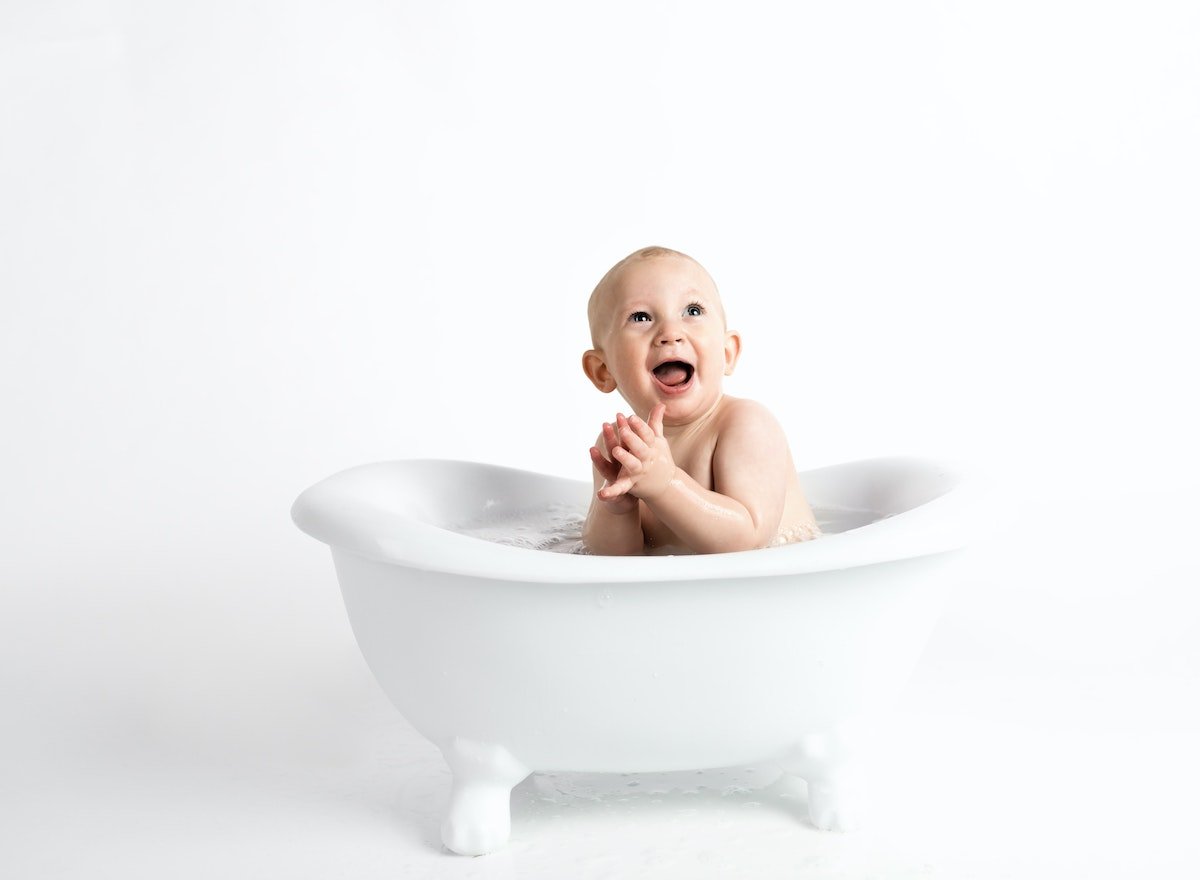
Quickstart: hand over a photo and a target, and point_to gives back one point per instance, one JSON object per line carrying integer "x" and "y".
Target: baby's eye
{"x": 695, "y": 310}
{"x": 639, "y": 317}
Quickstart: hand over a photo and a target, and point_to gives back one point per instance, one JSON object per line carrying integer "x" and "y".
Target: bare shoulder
{"x": 740, "y": 415}
{"x": 752, "y": 464}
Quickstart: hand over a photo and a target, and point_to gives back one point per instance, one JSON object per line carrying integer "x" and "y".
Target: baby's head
{"x": 659, "y": 335}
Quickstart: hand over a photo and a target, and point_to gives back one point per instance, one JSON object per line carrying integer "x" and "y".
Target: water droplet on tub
{"x": 604, "y": 599}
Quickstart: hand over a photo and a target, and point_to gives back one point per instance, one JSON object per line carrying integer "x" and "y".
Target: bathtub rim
{"x": 324, "y": 512}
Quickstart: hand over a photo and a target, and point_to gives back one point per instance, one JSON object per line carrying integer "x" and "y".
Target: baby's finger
{"x": 643, "y": 430}
{"x": 628, "y": 459}
{"x": 610, "y": 438}
{"x": 615, "y": 489}
{"x": 607, "y": 469}
{"x": 631, "y": 441}
{"x": 656, "y": 418}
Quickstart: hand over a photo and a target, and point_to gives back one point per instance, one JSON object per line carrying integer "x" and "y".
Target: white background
{"x": 244, "y": 245}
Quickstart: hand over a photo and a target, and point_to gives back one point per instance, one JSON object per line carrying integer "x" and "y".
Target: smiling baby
{"x": 691, "y": 468}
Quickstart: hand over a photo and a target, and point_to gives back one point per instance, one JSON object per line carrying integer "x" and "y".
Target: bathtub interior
{"x": 407, "y": 511}
{"x": 884, "y": 487}
{"x": 445, "y": 493}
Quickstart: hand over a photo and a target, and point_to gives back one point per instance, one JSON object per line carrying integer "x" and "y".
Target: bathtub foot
{"x": 833, "y": 805}
{"x": 478, "y": 819}
{"x": 827, "y": 763}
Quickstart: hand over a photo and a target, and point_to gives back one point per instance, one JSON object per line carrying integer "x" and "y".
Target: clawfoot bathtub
{"x": 513, "y": 660}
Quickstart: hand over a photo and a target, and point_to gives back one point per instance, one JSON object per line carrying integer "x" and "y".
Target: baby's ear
{"x": 597, "y": 370}
{"x": 733, "y": 348}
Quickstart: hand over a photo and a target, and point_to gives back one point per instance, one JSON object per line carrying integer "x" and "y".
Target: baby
{"x": 692, "y": 468}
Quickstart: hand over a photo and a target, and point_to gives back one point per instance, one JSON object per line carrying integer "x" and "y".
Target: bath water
{"x": 558, "y": 528}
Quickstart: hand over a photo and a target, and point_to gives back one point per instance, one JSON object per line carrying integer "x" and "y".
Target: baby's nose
{"x": 669, "y": 336}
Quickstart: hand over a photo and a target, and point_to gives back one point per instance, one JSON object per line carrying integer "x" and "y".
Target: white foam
{"x": 556, "y": 528}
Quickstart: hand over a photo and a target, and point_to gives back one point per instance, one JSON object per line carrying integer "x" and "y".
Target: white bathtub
{"x": 513, "y": 660}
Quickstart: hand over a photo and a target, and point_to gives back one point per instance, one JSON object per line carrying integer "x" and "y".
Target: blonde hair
{"x": 646, "y": 253}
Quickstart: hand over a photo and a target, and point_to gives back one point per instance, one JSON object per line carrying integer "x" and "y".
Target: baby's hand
{"x": 616, "y": 501}
{"x": 647, "y": 466}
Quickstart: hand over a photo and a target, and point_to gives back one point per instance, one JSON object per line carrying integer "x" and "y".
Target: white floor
{"x": 219, "y": 721}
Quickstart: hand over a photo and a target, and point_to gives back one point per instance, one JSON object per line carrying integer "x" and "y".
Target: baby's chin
{"x": 682, "y": 407}
{"x": 687, "y": 408}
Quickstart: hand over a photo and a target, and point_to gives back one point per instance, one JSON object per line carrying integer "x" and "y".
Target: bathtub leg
{"x": 478, "y": 821}
{"x": 833, "y": 803}
{"x": 827, "y": 763}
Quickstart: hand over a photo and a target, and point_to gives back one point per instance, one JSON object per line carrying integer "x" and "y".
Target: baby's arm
{"x": 750, "y": 468}
{"x": 614, "y": 523}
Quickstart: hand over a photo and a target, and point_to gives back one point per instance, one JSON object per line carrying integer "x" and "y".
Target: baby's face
{"x": 661, "y": 338}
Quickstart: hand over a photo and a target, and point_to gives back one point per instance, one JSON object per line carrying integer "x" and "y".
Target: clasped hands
{"x": 636, "y": 462}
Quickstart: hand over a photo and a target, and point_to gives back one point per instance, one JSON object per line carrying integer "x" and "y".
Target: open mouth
{"x": 674, "y": 377}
